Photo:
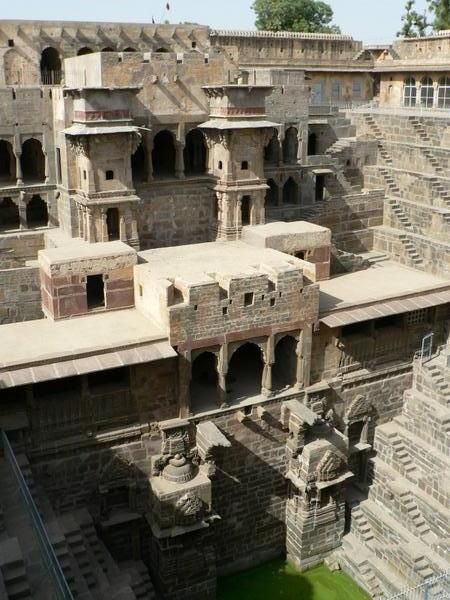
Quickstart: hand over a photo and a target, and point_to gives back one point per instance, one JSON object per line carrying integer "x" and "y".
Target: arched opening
{"x": 290, "y": 192}
{"x": 37, "y": 212}
{"x": 50, "y": 67}
{"x": 108, "y": 49}
{"x": 427, "y": 92}
{"x": 245, "y": 210}
{"x": 271, "y": 151}
{"x": 139, "y": 164}
{"x": 204, "y": 382}
{"x": 9, "y": 215}
{"x": 113, "y": 224}
{"x": 444, "y": 92}
{"x": 312, "y": 144}
{"x": 272, "y": 193}
{"x": 285, "y": 368}
{"x": 320, "y": 188}
{"x": 195, "y": 153}
{"x": 163, "y": 154}
{"x": 290, "y": 145}
{"x": 409, "y": 92}
{"x": 355, "y": 432}
{"x": 32, "y": 160}
{"x": 162, "y": 50}
{"x": 245, "y": 372}
{"x": 7, "y": 162}
{"x": 129, "y": 49}
{"x": 84, "y": 50}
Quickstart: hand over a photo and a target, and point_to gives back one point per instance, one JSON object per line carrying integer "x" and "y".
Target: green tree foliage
{"x": 294, "y": 15}
{"x": 414, "y": 24}
{"x": 441, "y": 13}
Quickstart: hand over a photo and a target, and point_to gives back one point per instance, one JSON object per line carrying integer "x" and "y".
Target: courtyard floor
{"x": 280, "y": 580}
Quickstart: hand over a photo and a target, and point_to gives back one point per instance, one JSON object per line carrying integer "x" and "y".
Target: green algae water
{"x": 280, "y": 580}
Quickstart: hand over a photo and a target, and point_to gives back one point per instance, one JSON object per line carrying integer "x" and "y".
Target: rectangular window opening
{"x": 248, "y": 298}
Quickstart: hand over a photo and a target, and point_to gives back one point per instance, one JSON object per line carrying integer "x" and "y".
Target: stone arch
{"x": 204, "y": 382}
{"x": 272, "y": 193}
{"x": 245, "y": 369}
{"x": 139, "y": 163}
{"x": 162, "y": 50}
{"x": 108, "y": 49}
{"x": 7, "y": 162}
{"x": 290, "y": 145}
{"x": 9, "y": 215}
{"x": 164, "y": 154}
{"x": 272, "y": 150}
{"x": 37, "y": 212}
{"x": 50, "y": 66}
{"x": 359, "y": 408}
{"x": 84, "y": 50}
{"x": 129, "y": 49}
{"x": 290, "y": 192}
{"x": 32, "y": 160}
{"x": 195, "y": 153}
{"x": 284, "y": 370}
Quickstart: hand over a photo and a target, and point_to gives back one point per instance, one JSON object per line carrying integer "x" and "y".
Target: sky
{"x": 367, "y": 20}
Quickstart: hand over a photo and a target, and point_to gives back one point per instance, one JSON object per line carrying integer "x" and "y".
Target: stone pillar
{"x": 179, "y": 159}
{"x": 91, "y": 238}
{"x": 266, "y": 384}
{"x": 19, "y": 176}
{"x": 435, "y": 94}
{"x": 91, "y": 178}
{"x": 184, "y": 379}
{"x": 149, "y": 145}
{"x": 22, "y": 205}
{"x": 122, "y": 228}
{"x": 280, "y": 149}
{"x": 279, "y": 194}
{"x": 134, "y": 239}
{"x": 46, "y": 168}
{"x": 304, "y": 358}
{"x": 104, "y": 225}
{"x": 222, "y": 370}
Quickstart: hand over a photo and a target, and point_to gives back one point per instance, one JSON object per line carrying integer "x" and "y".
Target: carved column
{"x": 90, "y": 225}
{"x": 46, "y": 168}
{"x": 280, "y": 148}
{"x": 19, "y": 176}
{"x": 122, "y": 229}
{"x": 222, "y": 370}
{"x": 269, "y": 360}
{"x": 184, "y": 378}
{"x": 81, "y": 224}
{"x": 22, "y": 205}
{"x": 104, "y": 225}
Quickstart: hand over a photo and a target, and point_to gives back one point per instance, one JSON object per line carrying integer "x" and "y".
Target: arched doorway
{"x": 50, "y": 67}
{"x": 32, "y": 160}
{"x": 245, "y": 372}
{"x": 271, "y": 151}
{"x": 284, "y": 371}
{"x": 139, "y": 164}
{"x": 9, "y": 215}
{"x": 108, "y": 49}
{"x": 204, "y": 383}
{"x": 290, "y": 145}
{"x": 163, "y": 154}
{"x": 7, "y": 162}
{"x": 290, "y": 192}
{"x": 427, "y": 92}
{"x": 37, "y": 212}
{"x": 113, "y": 224}
{"x": 84, "y": 50}
{"x": 245, "y": 210}
{"x": 195, "y": 153}
{"x": 129, "y": 49}
{"x": 162, "y": 50}
{"x": 272, "y": 193}
{"x": 312, "y": 144}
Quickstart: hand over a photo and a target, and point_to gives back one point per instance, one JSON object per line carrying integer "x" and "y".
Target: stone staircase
{"x": 411, "y": 251}
{"x": 400, "y": 215}
{"x": 378, "y": 134}
{"x": 392, "y": 187}
{"x": 399, "y": 535}
{"x": 13, "y": 575}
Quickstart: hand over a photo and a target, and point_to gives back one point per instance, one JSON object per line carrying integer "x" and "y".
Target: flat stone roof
{"x": 46, "y": 341}
{"x": 85, "y": 251}
{"x": 198, "y": 263}
{"x": 287, "y": 237}
{"x": 383, "y": 281}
